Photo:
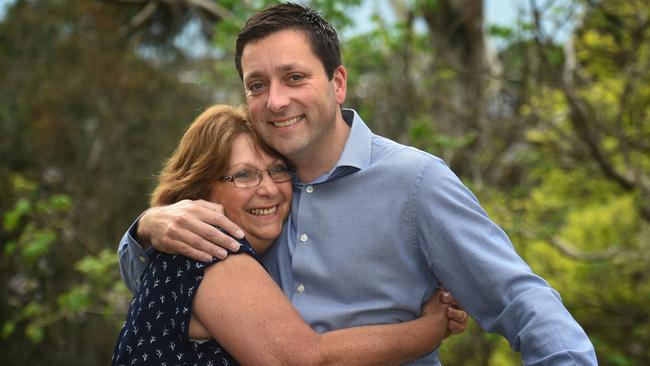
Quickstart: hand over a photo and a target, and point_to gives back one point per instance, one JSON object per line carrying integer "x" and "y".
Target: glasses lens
{"x": 247, "y": 178}
{"x": 280, "y": 174}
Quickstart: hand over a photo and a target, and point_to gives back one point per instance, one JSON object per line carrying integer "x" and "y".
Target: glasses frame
{"x": 260, "y": 175}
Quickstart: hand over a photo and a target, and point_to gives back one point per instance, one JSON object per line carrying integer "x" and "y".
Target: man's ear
{"x": 340, "y": 80}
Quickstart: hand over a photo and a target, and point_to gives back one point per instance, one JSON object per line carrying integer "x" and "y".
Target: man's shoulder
{"x": 388, "y": 152}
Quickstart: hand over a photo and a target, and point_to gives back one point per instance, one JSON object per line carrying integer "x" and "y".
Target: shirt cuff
{"x": 132, "y": 235}
{"x": 133, "y": 260}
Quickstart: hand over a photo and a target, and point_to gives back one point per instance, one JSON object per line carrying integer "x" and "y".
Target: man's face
{"x": 293, "y": 105}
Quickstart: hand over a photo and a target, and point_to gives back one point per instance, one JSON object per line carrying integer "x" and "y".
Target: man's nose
{"x": 278, "y": 98}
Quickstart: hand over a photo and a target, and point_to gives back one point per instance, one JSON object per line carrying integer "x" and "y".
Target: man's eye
{"x": 255, "y": 87}
{"x": 296, "y": 77}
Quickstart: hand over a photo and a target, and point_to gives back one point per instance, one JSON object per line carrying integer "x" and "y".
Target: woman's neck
{"x": 259, "y": 245}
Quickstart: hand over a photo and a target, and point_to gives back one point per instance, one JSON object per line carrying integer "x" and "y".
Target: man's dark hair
{"x": 322, "y": 35}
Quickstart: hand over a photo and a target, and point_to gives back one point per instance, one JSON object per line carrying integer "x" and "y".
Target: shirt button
{"x": 309, "y": 189}
{"x": 301, "y": 288}
{"x": 142, "y": 258}
{"x": 303, "y": 238}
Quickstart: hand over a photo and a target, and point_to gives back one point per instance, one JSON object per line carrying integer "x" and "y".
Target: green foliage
{"x": 12, "y": 217}
{"x": 336, "y": 12}
{"x": 581, "y": 227}
{"x": 37, "y": 221}
{"x": 499, "y": 31}
{"x": 33, "y": 221}
{"x": 568, "y": 214}
{"x": 76, "y": 300}
{"x": 89, "y": 117}
{"x": 91, "y": 110}
{"x": 423, "y": 136}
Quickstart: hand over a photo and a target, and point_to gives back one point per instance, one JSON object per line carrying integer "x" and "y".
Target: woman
{"x": 189, "y": 312}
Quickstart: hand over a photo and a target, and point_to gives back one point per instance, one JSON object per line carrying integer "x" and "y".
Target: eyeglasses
{"x": 248, "y": 178}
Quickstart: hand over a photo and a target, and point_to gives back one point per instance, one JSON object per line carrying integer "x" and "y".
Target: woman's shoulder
{"x": 181, "y": 263}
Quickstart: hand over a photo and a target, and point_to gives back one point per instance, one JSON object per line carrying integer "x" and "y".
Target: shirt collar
{"x": 358, "y": 147}
{"x": 357, "y": 151}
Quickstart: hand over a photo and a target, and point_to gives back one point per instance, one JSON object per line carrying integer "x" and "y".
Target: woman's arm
{"x": 245, "y": 311}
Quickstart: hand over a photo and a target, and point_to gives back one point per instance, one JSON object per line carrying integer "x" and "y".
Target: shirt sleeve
{"x": 133, "y": 259}
{"x": 475, "y": 260}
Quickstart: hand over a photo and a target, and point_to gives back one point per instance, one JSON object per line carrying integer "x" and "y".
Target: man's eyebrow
{"x": 281, "y": 68}
{"x": 287, "y": 67}
{"x": 252, "y": 75}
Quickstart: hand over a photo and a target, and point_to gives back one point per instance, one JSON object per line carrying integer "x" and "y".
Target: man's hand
{"x": 189, "y": 228}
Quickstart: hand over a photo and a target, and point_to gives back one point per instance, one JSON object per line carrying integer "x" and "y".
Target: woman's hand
{"x": 189, "y": 228}
{"x": 442, "y": 302}
{"x": 458, "y": 318}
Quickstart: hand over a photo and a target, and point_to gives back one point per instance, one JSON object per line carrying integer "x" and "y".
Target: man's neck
{"x": 319, "y": 162}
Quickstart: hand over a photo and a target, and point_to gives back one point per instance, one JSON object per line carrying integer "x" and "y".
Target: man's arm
{"x": 477, "y": 263}
{"x": 187, "y": 227}
{"x": 133, "y": 259}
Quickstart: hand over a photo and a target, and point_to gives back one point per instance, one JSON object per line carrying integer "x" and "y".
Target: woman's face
{"x": 260, "y": 211}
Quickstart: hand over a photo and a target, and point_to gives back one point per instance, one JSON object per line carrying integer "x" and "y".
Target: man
{"x": 375, "y": 226}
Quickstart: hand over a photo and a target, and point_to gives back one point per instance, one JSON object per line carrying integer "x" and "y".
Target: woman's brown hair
{"x": 203, "y": 154}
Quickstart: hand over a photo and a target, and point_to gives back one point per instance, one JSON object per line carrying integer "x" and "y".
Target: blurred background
{"x": 540, "y": 106}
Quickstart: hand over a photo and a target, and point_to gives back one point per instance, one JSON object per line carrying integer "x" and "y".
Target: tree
{"x": 551, "y": 138}
{"x": 89, "y": 118}
{"x": 550, "y": 133}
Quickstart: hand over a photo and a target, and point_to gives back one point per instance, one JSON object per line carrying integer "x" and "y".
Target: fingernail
{"x": 221, "y": 253}
{"x": 234, "y": 246}
{"x": 206, "y": 257}
{"x": 240, "y": 235}
{"x": 445, "y": 296}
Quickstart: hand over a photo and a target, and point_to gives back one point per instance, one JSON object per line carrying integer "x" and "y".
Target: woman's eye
{"x": 244, "y": 174}
{"x": 279, "y": 169}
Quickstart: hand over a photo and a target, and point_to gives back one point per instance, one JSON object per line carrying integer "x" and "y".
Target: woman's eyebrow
{"x": 240, "y": 166}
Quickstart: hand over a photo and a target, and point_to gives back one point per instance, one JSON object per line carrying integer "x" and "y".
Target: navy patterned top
{"x": 156, "y": 329}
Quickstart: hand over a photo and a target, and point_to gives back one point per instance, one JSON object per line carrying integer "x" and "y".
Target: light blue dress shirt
{"x": 370, "y": 241}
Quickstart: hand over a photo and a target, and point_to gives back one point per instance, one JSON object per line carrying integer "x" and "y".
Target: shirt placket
{"x": 302, "y": 241}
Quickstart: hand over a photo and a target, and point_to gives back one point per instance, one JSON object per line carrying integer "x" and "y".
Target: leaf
{"x": 76, "y": 300}
{"x": 8, "y": 328}
{"x": 32, "y": 310}
{"x": 36, "y": 243}
{"x": 34, "y": 332}
{"x": 10, "y": 248}
{"x": 98, "y": 266}
{"x": 12, "y": 217}
{"x": 499, "y": 31}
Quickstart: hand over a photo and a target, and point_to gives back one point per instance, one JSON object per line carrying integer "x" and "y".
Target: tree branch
{"x": 575, "y": 253}
{"x": 214, "y": 9}
{"x": 206, "y": 11}
{"x": 582, "y": 121}
{"x": 144, "y": 14}
{"x": 571, "y": 251}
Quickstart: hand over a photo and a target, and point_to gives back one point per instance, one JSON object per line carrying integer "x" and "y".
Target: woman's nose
{"x": 267, "y": 185}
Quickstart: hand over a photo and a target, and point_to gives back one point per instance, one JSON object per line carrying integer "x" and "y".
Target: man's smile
{"x": 288, "y": 122}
